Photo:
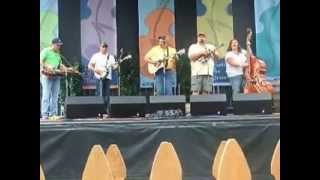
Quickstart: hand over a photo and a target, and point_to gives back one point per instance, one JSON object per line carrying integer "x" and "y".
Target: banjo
{"x": 105, "y": 70}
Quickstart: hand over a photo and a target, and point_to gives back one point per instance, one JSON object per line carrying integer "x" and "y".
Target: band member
{"x": 236, "y": 61}
{"x": 202, "y": 56}
{"x": 50, "y": 60}
{"x": 102, "y": 63}
{"x": 163, "y": 64}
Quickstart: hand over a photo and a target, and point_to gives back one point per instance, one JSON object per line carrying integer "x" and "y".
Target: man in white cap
{"x": 202, "y": 56}
{"x": 102, "y": 63}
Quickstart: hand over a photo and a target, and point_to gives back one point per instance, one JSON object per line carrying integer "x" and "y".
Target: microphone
{"x": 121, "y": 53}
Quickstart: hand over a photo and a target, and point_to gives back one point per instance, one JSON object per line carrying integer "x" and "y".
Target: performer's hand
{"x": 216, "y": 53}
{"x": 205, "y": 53}
{"x": 160, "y": 60}
{"x": 245, "y": 65}
{"x": 48, "y": 68}
{"x": 157, "y": 64}
{"x": 99, "y": 70}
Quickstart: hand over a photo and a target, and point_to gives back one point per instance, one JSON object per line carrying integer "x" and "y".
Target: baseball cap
{"x": 162, "y": 37}
{"x": 104, "y": 44}
{"x": 201, "y": 34}
{"x": 57, "y": 41}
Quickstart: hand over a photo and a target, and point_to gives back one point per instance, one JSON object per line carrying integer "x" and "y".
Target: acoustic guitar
{"x": 152, "y": 68}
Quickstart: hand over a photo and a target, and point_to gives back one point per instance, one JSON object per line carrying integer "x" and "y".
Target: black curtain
{"x": 128, "y": 39}
{"x": 69, "y": 29}
{"x": 243, "y": 17}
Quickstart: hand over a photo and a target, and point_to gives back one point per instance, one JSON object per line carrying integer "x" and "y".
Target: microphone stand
{"x": 119, "y": 73}
{"x": 66, "y": 73}
{"x": 119, "y": 79}
{"x": 165, "y": 63}
{"x": 164, "y": 79}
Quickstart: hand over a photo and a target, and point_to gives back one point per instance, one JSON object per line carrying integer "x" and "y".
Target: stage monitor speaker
{"x": 167, "y": 103}
{"x": 255, "y": 103}
{"x": 91, "y": 106}
{"x": 215, "y": 104}
{"x": 127, "y": 106}
{"x": 84, "y": 106}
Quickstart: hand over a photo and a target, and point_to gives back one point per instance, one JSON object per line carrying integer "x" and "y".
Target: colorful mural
{"x": 267, "y": 17}
{"x": 98, "y": 23}
{"x": 156, "y": 18}
{"x": 214, "y": 18}
{"x": 48, "y": 22}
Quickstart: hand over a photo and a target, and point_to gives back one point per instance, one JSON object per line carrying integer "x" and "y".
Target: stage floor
{"x": 275, "y": 116}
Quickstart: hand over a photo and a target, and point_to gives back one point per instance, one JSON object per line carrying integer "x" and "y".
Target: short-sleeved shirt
{"x": 197, "y": 67}
{"x": 50, "y": 58}
{"x": 238, "y": 57}
{"x": 157, "y": 53}
{"x": 101, "y": 61}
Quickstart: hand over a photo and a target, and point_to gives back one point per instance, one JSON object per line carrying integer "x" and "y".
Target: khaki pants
{"x": 202, "y": 84}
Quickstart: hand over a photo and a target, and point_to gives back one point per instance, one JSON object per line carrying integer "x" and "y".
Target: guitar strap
{"x": 107, "y": 61}
{"x": 108, "y": 58}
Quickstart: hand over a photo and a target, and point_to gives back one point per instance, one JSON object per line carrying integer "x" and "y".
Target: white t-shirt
{"x": 239, "y": 57}
{"x": 101, "y": 61}
{"x": 197, "y": 67}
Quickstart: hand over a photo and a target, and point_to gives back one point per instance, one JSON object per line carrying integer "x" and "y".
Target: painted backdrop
{"x": 156, "y": 18}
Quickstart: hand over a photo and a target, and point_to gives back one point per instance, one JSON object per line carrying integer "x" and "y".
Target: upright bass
{"x": 255, "y": 73}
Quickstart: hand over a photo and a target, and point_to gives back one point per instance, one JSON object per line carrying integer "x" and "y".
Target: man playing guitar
{"x": 50, "y": 61}
{"x": 202, "y": 56}
{"x": 162, "y": 64}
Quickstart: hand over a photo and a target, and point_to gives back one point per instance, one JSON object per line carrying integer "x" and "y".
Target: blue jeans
{"x": 50, "y": 95}
{"x": 103, "y": 89}
{"x": 236, "y": 84}
{"x": 169, "y": 82}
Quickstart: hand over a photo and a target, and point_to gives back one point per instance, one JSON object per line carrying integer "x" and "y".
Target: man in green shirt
{"x": 50, "y": 59}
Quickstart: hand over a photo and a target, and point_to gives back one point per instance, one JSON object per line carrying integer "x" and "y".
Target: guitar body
{"x": 152, "y": 69}
{"x": 168, "y": 64}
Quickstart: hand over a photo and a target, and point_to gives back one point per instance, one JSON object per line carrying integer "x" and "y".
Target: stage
{"x": 65, "y": 145}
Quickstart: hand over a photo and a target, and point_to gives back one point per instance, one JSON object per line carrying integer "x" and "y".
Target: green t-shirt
{"x": 50, "y": 57}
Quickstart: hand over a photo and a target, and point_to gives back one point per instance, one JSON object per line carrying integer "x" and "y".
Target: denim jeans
{"x": 103, "y": 89}
{"x": 236, "y": 84}
{"x": 50, "y": 95}
{"x": 169, "y": 82}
